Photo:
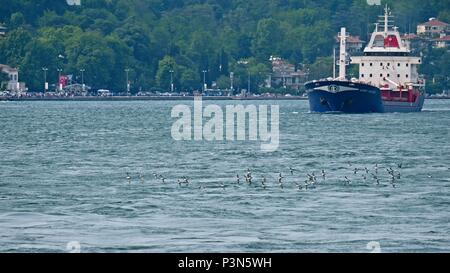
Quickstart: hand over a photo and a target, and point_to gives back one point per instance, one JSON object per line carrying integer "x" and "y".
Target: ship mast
{"x": 343, "y": 55}
{"x": 386, "y": 20}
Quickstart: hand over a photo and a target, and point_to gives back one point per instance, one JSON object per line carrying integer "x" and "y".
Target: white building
{"x": 13, "y": 84}
{"x": 432, "y": 28}
{"x": 442, "y": 42}
{"x": 285, "y": 75}
{"x": 2, "y": 31}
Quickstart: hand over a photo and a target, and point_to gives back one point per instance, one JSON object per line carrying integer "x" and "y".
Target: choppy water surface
{"x": 63, "y": 172}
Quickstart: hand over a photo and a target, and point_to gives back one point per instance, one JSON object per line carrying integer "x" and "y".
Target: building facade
{"x": 2, "y": 31}
{"x": 433, "y": 28}
{"x": 354, "y": 44}
{"x": 284, "y": 74}
{"x": 13, "y": 85}
{"x": 442, "y": 42}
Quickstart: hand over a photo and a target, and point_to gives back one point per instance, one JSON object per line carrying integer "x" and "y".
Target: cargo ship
{"x": 388, "y": 78}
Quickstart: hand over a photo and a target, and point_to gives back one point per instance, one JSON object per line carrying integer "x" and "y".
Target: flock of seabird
{"x": 312, "y": 181}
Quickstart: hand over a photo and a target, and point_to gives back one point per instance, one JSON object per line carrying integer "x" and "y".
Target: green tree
{"x": 13, "y": 47}
{"x": 17, "y": 20}
{"x": 190, "y": 79}
{"x": 163, "y": 76}
{"x": 90, "y": 51}
{"x": 39, "y": 54}
{"x": 322, "y": 68}
{"x": 267, "y": 38}
{"x": 224, "y": 82}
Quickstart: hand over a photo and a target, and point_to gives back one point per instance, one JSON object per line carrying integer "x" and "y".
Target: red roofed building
{"x": 354, "y": 44}
{"x": 442, "y": 42}
{"x": 285, "y": 75}
{"x": 414, "y": 42}
{"x": 432, "y": 28}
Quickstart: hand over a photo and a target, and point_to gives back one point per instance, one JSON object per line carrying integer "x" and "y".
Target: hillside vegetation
{"x": 153, "y": 37}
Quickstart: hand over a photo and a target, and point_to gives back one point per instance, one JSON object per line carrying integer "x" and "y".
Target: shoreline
{"x": 160, "y": 98}
{"x": 148, "y": 98}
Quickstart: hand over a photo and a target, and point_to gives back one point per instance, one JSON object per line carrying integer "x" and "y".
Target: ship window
{"x": 407, "y": 76}
{"x": 381, "y": 75}
{"x": 407, "y": 65}
{"x": 398, "y": 64}
{"x": 362, "y": 64}
{"x": 398, "y": 75}
{"x": 388, "y": 64}
{"x": 362, "y": 75}
{"x": 371, "y": 64}
{"x": 371, "y": 75}
{"x": 381, "y": 64}
{"x": 388, "y": 75}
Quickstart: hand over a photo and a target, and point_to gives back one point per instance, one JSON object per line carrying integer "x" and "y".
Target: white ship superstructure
{"x": 387, "y": 62}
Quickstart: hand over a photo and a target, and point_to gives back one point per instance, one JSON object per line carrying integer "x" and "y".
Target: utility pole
{"x": 204, "y": 80}
{"x": 82, "y": 79}
{"x": 127, "y": 71}
{"x": 232, "y": 81}
{"x": 60, "y": 87}
{"x": 45, "y": 69}
{"x": 171, "y": 81}
{"x": 249, "y": 81}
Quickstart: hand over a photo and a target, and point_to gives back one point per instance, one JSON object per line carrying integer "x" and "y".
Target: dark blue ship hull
{"x": 344, "y": 97}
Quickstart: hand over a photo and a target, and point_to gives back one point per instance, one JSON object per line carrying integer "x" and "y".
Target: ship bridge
{"x": 387, "y": 62}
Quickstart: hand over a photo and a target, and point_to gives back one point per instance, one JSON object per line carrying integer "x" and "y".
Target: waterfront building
{"x": 354, "y": 44}
{"x": 285, "y": 74}
{"x": 2, "y": 31}
{"x": 13, "y": 85}
{"x": 442, "y": 42}
{"x": 433, "y": 28}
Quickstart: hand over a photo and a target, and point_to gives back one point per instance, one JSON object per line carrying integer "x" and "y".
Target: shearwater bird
{"x": 347, "y": 180}
{"x": 263, "y": 182}
{"x": 128, "y": 177}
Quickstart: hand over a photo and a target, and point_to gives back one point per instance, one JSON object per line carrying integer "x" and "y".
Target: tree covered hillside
{"x": 154, "y": 37}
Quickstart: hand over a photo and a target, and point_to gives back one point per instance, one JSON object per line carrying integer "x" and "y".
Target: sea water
{"x": 64, "y": 168}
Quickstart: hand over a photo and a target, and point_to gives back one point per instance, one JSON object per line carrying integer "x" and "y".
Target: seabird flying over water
{"x": 347, "y": 181}
{"x": 263, "y": 182}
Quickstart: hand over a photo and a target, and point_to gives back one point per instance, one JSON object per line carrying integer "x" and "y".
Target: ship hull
{"x": 404, "y": 107}
{"x": 344, "y": 97}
